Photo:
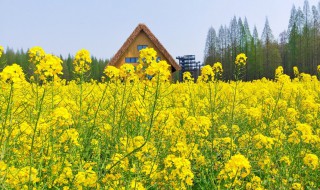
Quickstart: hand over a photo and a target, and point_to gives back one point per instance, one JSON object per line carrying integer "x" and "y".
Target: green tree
{"x": 210, "y": 51}
{"x": 267, "y": 42}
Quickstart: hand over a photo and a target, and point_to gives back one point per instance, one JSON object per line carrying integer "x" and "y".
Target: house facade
{"x": 141, "y": 38}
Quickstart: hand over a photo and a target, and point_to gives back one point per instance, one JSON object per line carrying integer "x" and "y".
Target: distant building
{"x": 141, "y": 38}
{"x": 188, "y": 63}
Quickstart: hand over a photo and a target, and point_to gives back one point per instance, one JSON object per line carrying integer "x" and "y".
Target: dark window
{"x": 140, "y": 47}
{"x": 131, "y": 59}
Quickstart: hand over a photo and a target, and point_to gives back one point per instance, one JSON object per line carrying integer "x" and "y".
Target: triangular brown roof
{"x": 155, "y": 41}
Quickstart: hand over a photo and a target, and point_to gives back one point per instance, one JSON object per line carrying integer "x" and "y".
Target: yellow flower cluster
{"x": 286, "y": 160}
{"x": 12, "y": 74}
{"x": 295, "y": 71}
{"x": 311, "y": 160}
{"x": 261, "y": 134}
{"x": 21, "y": 176}
{"x": 1, "y": 51}
{"x": 158, "y": 70}
{"x": 186, "y": 76}
{"x": 217, "y": 69}
{"x": 241, "y": 59}
{"x": 36, "y": 54}
{"x": 86, "y": 178}
{"x": 260, "y": 141}
{"x": 82, "y": 61}
{"x": 296, "y": 186}
{"x": 147, "y": 56}
{"x": 254, "y": 184}
{"x": 237, "y": 166}
{"x": 127, "y": 72}
{"x": 278, "y": 72}
{"x": 178, "y": 169}
{"x": 209, "y": 73}
{"x": 48, "y": 66}
{"x": 112, "y": 72}
{"x": 148, "y": 68}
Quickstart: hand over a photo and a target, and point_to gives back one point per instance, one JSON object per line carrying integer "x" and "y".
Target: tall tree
{"x": 233, "y": 41}
{"x": 240, "y": 36}
{"x": 283, "y": 41}
{"x": 234, "y": 36}
{"x": 315, "y": 37}
{"x": 220, "y": 42}
{"x": 297, "y": 46}
{"x": 246, "y": 36}
{"x": 306, "y": 37}
{"x": 257, "y": 67}
{"x": 210, "y": 47}
{"x": 267, "y": 40}
{"x": 293, "y": 39}
{"x": 228, "y": 54}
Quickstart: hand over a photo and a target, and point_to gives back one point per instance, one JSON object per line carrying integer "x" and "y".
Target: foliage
{"x": 25, "y": 60}
{"x": 297, "y": 46}
{"x": 137, "y": 130}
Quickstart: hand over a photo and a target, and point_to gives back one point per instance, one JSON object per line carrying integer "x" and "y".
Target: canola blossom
{"x": 241, "y": 59}
{"x": 1, "y": 50}
{"x": 82, "y": 61}
{"x": 138, "y": 130}
{"x": 36, "y": 54}
{"x": 12, "y": 74}
{"x": 187, "y": 77}
{"x": 50, "y": 66}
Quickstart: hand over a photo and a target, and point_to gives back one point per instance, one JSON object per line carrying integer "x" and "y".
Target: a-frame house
{"x": 141, "y": 38}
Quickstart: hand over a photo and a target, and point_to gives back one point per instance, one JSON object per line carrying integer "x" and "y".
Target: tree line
{"x": 21, "y": 58}
{"x": 298, "y": 45}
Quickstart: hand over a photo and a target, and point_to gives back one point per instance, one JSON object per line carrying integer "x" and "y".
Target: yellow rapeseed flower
{"x": 238, "y": 165}
{"x": 158, "y": 69}
{"x": 147, "y": 56}
{"x": 286, "y": 160}
{"x": 87, "y": 178}
{"x": 311, "y": 160}
{"x": 49, "y": 66}
{"x": 36, "y": 54}
{"x": 127, "y": 72}
{"x": 137, "y": 185}
{"x": 1, "y": 51}
{"x": 296, "y": 186}
{"x": 112, "y": 72}
{"x": 217, "y": 68}
{"x": 254, "y": 184}
{"x": 260, "y": 141}
{"x": 3, "y": 166}
{"x": 295, "y": 71}
{"x": 82, "y": 61}
{"x": 278, "y": 72}
{"x": 207, "y": 74}
{"x": 241, "y": 59}
{"x": 12, "y": 74}
{"x": 187, "y": 76}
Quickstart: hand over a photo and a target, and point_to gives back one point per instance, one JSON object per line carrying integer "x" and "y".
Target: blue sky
{"x": 102, "y": 26}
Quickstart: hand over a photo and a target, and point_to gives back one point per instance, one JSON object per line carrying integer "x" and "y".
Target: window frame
{"x": 140, "y": 47}
{"x": 131, "y": 60}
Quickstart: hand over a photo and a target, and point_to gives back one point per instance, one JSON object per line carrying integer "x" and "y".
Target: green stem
{"x": 34, "y": 135}
{"x": 149, "y": 128}
{"x": 80, "y": 101}
{"x": 8, "y": 112}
